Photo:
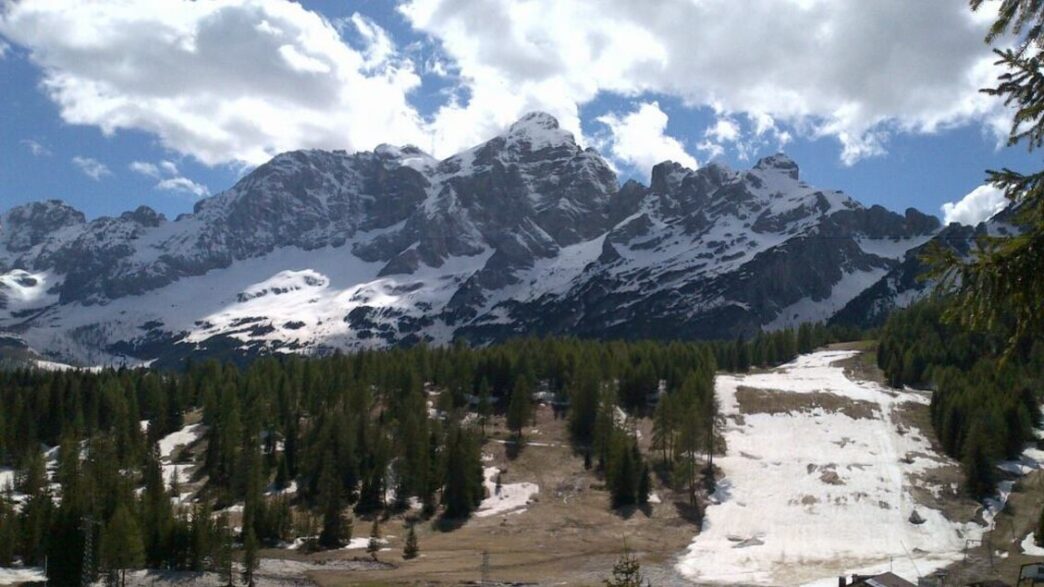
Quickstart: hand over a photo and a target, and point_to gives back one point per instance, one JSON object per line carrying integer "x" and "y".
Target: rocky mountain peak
{"x": 779, "y": 162}
{"x": 536, "y": 131}
{"x": 667, "y": 176}
{"x": 25, "y": 226}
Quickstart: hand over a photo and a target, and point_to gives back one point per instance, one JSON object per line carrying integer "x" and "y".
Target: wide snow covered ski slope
{"x": 816, "y": 487}
{"x": 527, "y": 233}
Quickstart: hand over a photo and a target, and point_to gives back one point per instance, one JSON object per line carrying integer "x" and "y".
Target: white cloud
{"x": 638, "y": 138}
{"x": 979, "y": 205}
{"x": 92, "y": 168}
{"x": 169, "y": 178}
{"x": 852, "y": 70}
{"x": 230, "y": 81}
{"x": 725, "y": 130}
{"x": 240, "y": 80}
{"x": 4, "y": 48}
{"x": 145, "y": 168}
{"x": 36, "y": 148}
{"x": 183, "y": 185}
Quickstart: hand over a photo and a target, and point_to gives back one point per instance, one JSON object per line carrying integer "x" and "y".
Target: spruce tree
{"x": 374, "y": 545}
{"x": 1004, "y": 279}
{"x": 644, "y": 485}
{"x": 485, "y": 404}
{"x": 627, "y": 572}
{"x": 250, "y": 556}
{"x": 622, "y": 473}
{"x": 121, "y": 544}
{"x": 411, "y": 549}
{"x": 978, "y": 466}
{"x": 584, "y": 404}
{"x": 461, "y": 491}
{"x": 519, "y": 407}
{"x": 334, "y": 530}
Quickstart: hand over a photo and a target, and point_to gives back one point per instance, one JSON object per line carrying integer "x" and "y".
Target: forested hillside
{"x": 291, "y": 448}
{"x": 986, "y": 402}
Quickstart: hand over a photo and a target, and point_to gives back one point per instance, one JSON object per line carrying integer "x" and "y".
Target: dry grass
{"x": 762, "y": 401}
{"x": 568, "y": 536}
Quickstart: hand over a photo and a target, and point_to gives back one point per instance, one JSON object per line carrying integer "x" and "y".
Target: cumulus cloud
{"x": 230, "y": 81}
{"x": 36, "y": 148}
{"x": 169, "y": 178}
{"x": 92, "y": 168}
{"x": 979, "y": 205}
{"x": 144, "y": 168}
{"x": 638, "y": 139}
{"x": 4, "y": 48}
{"x": 183, "y": 185}
{"x": 240, "y": 80}
{"x": 852, "y": 70}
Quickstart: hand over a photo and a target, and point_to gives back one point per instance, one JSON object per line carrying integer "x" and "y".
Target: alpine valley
{"x": 525, "y": 234}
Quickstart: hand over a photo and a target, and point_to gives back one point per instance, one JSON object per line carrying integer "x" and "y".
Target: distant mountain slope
{"x": 907, "y": 282}
{"x": 526, "y": 233}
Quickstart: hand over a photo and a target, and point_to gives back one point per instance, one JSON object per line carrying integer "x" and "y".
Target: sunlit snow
{"x": 782, "y": 520}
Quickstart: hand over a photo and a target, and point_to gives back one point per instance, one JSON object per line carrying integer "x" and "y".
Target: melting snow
{"x": 1030, "y": 547}
{"x": 19, "y": 575}
{"x": 183, "y": 437}
{"x": 782, "y": 520}
{"x": 512, "y": 496}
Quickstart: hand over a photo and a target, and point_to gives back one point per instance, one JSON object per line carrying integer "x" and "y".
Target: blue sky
{"x": 94, "y": 122}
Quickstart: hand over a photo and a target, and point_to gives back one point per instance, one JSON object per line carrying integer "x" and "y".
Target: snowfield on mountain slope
{"x": 812, "y": 493}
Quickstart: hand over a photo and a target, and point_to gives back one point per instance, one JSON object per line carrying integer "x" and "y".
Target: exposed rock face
{"x": 907, "y": 282}
{"x": 527, "y": 233}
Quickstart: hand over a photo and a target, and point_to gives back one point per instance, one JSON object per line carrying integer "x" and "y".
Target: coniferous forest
{"x": 354, "y": 435}
{"x": 985, "y": 401}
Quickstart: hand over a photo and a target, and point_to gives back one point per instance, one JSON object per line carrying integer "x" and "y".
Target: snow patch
{"x": 808, "y": 496}
{"x": 512, "y": 496}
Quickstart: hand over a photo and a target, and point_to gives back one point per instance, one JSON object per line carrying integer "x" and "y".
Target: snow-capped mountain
{"x": 527, "y": 233}
{"x": 909, "y": 281}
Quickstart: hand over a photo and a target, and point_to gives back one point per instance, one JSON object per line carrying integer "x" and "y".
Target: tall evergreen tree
{"x": 519, "y": 406}
{"x": 121, "y": 544}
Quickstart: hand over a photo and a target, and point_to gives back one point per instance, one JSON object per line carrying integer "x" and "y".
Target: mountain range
{"x": 525, "y": 234}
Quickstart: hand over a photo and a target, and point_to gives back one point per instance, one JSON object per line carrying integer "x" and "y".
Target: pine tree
{"x": 250, "y": 556}
{"x": 462, "y": 482}
{"x": 221, "y": 555}
{"x": 627, "y": 572}
{"x": 8, "y": 530}
{"x": 804, "y": 341}
{"x": 644, "y": 485}
{"x": 663, "y": 428}
{"x": 282, "y": 478}
{"x": 121, "y": 544}
{"x": 584, "y": 404}
{"x": 485, "y": 404}
{"x": 1005, "y": 278}
{"x": 411, "y": 549}
{"x": 622, "y": 473}
{"x": 519, "y": 407}
{"x": 334, "y": 532}
{"x": 157, "y": 515}
{"x": 742, "y": 355}
{"x": 374, "y": 545}
{"x": 977, "y": 465}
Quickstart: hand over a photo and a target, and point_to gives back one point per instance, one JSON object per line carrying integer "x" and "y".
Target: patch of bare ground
{"x": 999, "y": 555}
{"x": 753, "y": 400}
{"x": 941, "y": 487}
{"x": 863, "y": 366}
{"x": 566, "y": 535}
